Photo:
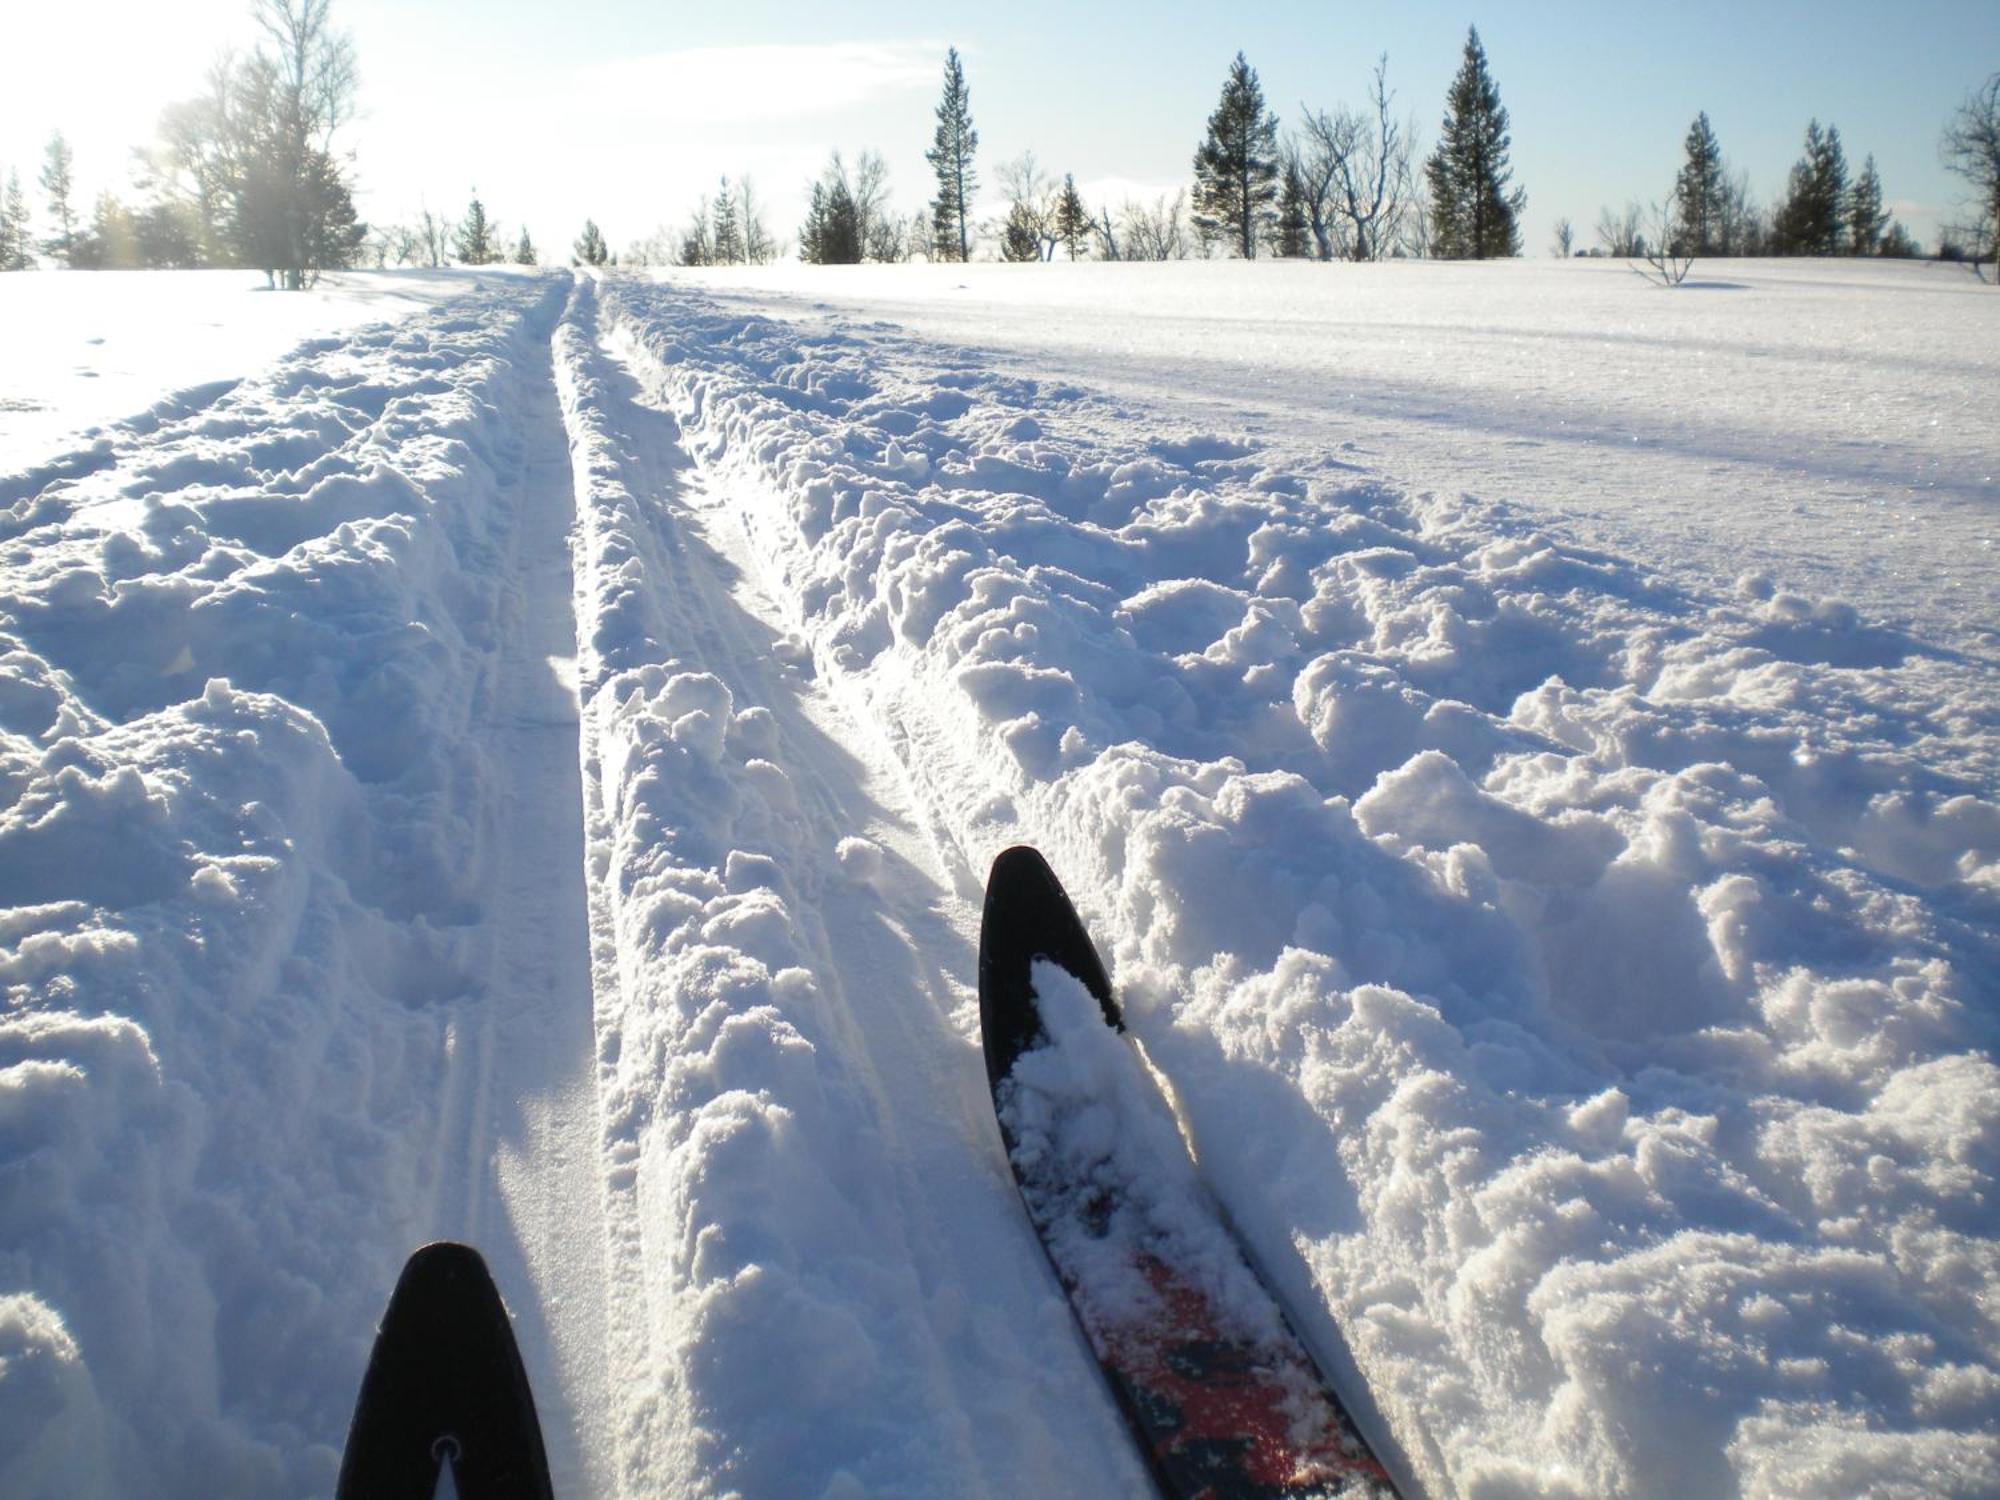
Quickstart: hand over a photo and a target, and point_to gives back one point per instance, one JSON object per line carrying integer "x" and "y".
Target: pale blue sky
{"x": 626, "y": 111}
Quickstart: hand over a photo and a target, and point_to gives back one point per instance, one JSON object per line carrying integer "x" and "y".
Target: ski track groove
{"x": 892, "y": 958}
{"x": 861, "y": 946}
{"x": 518, "y": 1130}
{"x": 716, "y": 606}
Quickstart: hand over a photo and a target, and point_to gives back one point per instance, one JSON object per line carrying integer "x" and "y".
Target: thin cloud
{"x": 739, "y": 85}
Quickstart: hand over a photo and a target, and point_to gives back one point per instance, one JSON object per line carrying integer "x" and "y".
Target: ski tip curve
{"x": 1028, "y": 916}
{"x": 445, "y": 1387}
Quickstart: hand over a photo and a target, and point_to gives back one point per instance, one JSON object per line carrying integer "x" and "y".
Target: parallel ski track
{"x": 519, "y": 1149}
{"x": 894, "y": 958}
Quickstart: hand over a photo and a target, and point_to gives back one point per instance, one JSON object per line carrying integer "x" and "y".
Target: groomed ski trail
{"x": 823, "y": 859}
{"x": 519, "y": 1170}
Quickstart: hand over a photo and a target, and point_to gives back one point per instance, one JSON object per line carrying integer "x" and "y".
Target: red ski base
{"x": 1225, "y": 1419}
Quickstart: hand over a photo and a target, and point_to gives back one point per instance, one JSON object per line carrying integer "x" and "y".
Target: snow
{"x": 83, "y": 352}
{"x": 525, "y": 772}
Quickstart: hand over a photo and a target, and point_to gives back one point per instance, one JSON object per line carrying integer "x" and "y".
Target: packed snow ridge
{"x": 525, "y": 773}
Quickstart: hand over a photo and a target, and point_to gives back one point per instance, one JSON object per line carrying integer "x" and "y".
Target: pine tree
{"x": 950, "y": 157}
{"x": 57, "y": 181}
{"x": 1898, "y": 244}
{"x": 1473, "y": 216}
{"x": 841, "y": 238}
{"x": 15, "y": 244}
{"x": 1812, "y": 220}
{"x": 812, "y": 233}
{"x": 1236, "y": 166}
{"x": 111, "y": 243}
{"x": 475, "y": 243}
{"x": 726, "y": 238}
{"x": 1072, "y": 219}
{"x": 590, "y": 249}
{"x": 290, "y": 209}
{"x": 1291, "y": 236}
{"x": 1866, "y": 218}
{"x": 524, "y": 250}
{"x": 696, "y": 248}
{"x": 1700, "y": 192}
{"x": 1019, "y": 239}
{"x": 835, "y": 232}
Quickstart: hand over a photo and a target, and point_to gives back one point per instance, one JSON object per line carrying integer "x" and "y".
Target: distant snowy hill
{"x": 523, "y": 771}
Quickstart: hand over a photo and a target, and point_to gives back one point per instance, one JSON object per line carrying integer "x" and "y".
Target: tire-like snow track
{"x": 846, "y": 1214}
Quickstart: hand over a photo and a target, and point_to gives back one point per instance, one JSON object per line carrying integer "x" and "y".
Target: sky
{"x": 627, "y": 111}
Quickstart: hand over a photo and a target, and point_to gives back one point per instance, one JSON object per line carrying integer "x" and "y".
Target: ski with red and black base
{"x": 1222, "y": 1398}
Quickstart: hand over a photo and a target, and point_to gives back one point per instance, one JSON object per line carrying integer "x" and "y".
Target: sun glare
{"x": 101, "y": 73}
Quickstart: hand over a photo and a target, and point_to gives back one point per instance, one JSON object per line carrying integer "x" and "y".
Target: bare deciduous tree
{"x": 1359, "y": 174}
{"x": 1565, "y": 239}
{"x": 1970, "y": 148}
{"x": 758, "y": 247}
{"x": 1033, "y": 201}
{"x": 871, "y": 207}
{"x": 1620, "y": 233}
{"x": 433, "y": 238}
{"x": 1156, "y": 232}
{"x": 1108, "y": 247}
{"x": 1669, "y": 252}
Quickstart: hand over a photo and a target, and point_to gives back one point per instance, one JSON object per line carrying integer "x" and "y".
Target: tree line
{"x": 244, "y": 174}
{"x": 1826, "y": 209}
{"x": 1351, "y": 183}
{"x": 247, "y": 174}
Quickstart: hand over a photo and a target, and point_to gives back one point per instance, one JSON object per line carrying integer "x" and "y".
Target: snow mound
{"x": 1541, "y": 954}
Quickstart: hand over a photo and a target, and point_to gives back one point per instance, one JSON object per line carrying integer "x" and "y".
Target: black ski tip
{"x": 1028, "y": 916}
{"x": 445, "y": 1381}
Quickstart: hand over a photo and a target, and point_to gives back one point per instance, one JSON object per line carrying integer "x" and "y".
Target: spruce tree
{"x": 1700, "y": 192}
{"x": 812, "y": 233}
{"x": 524, "y": 250}
{"x": 841, "y": 237}
{"x": 15, "y": 244}
{"x": 1019, "y": 239}
{"x": 950, "y": 157}
{"x": 474, "y": 243}
{"x": 590, "y": 249}
{"x": 1473, "y": 216}
{"x": 57, "y": 181}
{"x": 111, "y": 243}
{"x": 1236, "y": 166}
{"x": 1812, "y": 219}
{"x": 1291, "y": 237}
{"x": 1866, "y": 218}
{"x": 834, "y": 233}
{"x": 290, "y": 208}
{"x": 1072, "y": 219}
{"x": 726, "y": 235}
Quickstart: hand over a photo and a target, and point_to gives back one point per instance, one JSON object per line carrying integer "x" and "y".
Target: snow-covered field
{"x": 524, "y": 773}
{"x": 80, "y": 352}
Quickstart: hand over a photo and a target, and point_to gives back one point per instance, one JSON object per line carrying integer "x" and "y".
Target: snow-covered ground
{"x": 85, "y": 351}
{"x": 525, "y": 772}
{"x": 1827, "y": 421}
